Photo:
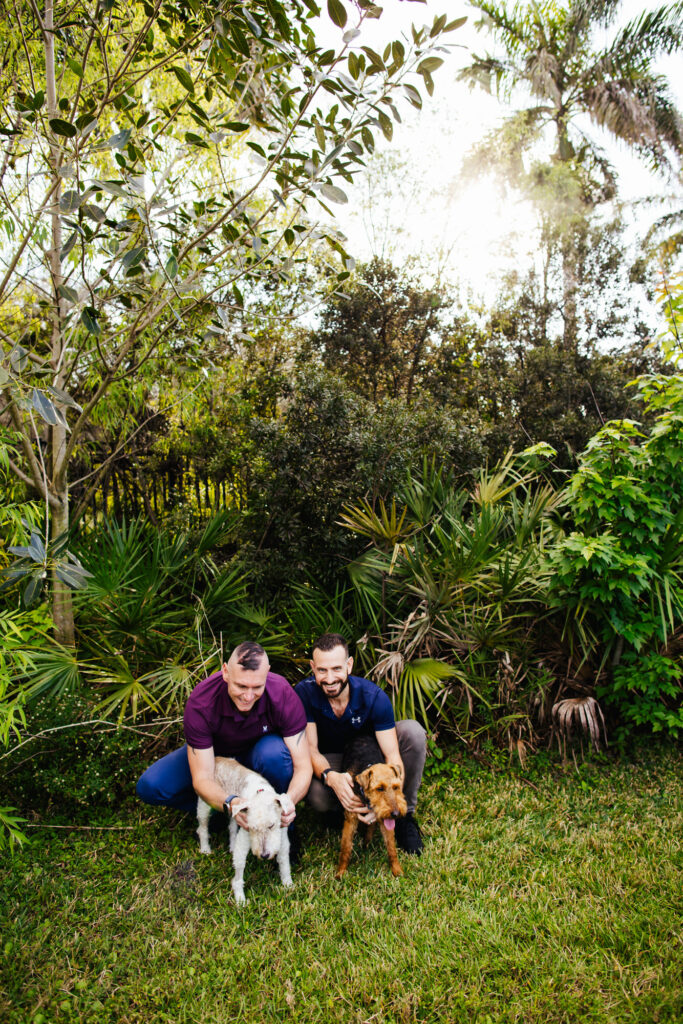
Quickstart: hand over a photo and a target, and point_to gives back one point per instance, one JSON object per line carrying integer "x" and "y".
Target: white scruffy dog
{"x": 263, "y": 807}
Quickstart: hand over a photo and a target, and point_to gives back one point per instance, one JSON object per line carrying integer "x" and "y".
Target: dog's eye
{"x": 380, "y": 789}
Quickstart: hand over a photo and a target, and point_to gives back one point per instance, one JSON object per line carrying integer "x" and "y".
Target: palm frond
{"x": 420, "y": 686}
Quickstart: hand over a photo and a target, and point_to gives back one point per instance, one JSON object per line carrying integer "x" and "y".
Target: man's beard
{"x": 341, "y": 683}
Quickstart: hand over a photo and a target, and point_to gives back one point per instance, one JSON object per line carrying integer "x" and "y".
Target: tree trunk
{"x": 570, "y": 286}
{"x": 62, "y": 604}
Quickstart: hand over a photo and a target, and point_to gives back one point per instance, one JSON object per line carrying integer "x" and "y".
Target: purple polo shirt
{"x": 212, "y": 720}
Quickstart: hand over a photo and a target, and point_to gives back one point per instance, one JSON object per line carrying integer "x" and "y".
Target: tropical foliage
{"x": 476, "y": 497}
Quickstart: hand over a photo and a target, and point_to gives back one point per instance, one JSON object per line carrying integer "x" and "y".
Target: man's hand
{"x": 238, "y": 812}
{"x": 341, "y": 785}
{"x": 288, "y": 810}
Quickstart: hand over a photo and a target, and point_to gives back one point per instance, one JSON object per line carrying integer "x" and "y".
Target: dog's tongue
{"x": 389, "y": 824}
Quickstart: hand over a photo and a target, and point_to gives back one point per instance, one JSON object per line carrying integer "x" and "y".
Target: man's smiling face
{"x": 245, "y": 687}
{"x": 331, "y": 670}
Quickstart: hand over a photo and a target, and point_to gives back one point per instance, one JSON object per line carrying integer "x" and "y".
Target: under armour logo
{"x": 265, "y": 728}
{"x": 356, "y": 721}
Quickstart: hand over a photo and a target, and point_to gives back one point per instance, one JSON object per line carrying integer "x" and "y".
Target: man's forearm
{"x": 320, "y": 763}
{"x": 212, "y": 792}
{"x": 301, "y": 780}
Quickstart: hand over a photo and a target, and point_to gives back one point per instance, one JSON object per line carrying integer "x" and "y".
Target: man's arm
{"x": 301, "y": 777}
{"x": 202, "y": 765}
{"x": 339, "y": 782}
{"x": 388, "y": 744}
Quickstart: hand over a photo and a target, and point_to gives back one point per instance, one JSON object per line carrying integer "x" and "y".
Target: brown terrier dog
{"x": 379, "y": 786}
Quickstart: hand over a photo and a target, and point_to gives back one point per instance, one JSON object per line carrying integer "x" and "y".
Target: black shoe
{"x": 294, "y": 845}
{"x": 408, "y": 835}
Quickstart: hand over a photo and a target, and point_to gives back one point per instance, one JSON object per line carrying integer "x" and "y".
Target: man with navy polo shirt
{"x": 340, "y": 706}
{"x": 243, "y": 711}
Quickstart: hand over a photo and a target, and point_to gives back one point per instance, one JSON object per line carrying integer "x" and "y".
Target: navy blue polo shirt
{"x": 369, "y": 711}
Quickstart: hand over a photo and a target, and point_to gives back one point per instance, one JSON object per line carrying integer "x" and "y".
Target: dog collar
{"x": 361, "y": 793}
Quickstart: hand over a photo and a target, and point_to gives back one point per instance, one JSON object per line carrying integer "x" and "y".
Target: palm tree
{"x": 550, "y": 53}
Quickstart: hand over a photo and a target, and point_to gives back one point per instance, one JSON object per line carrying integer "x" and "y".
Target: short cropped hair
{"x": 328, "y": 642}
{"x": 249, "y": 655}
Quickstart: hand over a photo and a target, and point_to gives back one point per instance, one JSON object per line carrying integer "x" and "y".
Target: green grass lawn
{"x": 557, "y": 898}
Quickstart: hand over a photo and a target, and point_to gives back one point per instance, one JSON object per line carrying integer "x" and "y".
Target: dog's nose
{"x": 395, "y": 814}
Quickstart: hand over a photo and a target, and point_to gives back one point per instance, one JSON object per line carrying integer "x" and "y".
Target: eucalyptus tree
{"x": 550, "y": 52}
{"x": 158, "y": 157}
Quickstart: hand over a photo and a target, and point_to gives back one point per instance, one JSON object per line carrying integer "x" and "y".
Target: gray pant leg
{"x": 319, "y": 797}
{"x": 412, "y": 746}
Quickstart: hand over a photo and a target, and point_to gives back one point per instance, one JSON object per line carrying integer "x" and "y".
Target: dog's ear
{"x": 364, "y": 779}
{"x": 242, "y": 805}
{"x": 397, "y": 771}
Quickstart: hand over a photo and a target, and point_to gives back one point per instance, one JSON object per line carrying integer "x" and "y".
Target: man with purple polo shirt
{"x": 243, "y": 711}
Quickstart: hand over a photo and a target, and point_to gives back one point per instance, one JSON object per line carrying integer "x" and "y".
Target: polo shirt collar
{"x": 354, "y": 693}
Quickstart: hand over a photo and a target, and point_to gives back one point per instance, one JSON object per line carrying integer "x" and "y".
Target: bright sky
{"x": 471, "y": 232}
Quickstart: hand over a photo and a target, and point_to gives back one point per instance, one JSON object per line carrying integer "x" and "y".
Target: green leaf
{"x": 70, "y": 294}
{"x": 44, "y": 407}
{"x": 119, "y": 140}
{"x": 36, "y": 548}
{"x": 413, "y": 96}
{"x": 386, "y": 125}
{"x": 171, "y": 267}
{"x": 62, "y": 397}
{"x": 184, "y": 78}
{"x": 195, "y": 140}
{"x": 73, "y": 576}
{"x": 18, "y": 358}
{"x": 32, "y": 590}
{"x": 334, "y": 194}
{"x": 75, "y": 67}
{"x": 368, "y": 140}
{"x": 438, "y": 25}
{"x": 70, "y": 201}
{"x": 429, "y": 64}
{"x": 94, "y": 212}
{"x": 63, "y": 128}
{"x": 337, "y": 12}
{"x": 68, "y": 245}
{"x": 375, "y": 58}
{"x": 89, "y": 321}
{"x": 458, "y": 23}
{"x": 236, "y": 126}
{"x": 133, "y": 257}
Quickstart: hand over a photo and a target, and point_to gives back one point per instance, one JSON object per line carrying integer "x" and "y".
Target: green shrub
{"x": 619, "y": 574}
{"x": 67, "y": 765}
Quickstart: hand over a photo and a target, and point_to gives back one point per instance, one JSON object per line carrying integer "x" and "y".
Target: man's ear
{"x": 349, "y": 665}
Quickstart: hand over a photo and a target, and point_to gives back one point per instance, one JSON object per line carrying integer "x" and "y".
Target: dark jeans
{"x": 168, "y": 782}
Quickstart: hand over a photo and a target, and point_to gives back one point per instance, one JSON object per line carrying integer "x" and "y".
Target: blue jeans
{"x": 168, "y": 782}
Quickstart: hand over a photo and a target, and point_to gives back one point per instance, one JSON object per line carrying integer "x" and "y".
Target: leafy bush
{"x": 647, "y": 690}
{"x": 67, "y": 764}
{"x": 619, "y": 573}
{"x": 454, "y": 588}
